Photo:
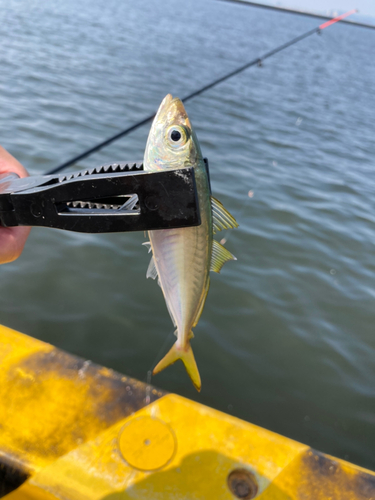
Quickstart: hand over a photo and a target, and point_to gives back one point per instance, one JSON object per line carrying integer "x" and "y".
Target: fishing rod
{"x": 257, "y": 61}
{"x": 287, "y": 10}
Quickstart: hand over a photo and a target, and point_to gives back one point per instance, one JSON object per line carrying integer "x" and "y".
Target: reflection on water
{"x": 286, "y": 339}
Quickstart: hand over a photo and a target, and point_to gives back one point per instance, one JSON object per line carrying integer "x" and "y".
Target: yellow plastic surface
{"x": 51, "y": 401}
{"x": 176, "y": 449}
{"x": 147, "y": 443}
{"x": 210, "y": 445}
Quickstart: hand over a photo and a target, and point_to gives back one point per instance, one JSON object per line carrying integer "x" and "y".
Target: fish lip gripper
{"x": 111, "y": 198}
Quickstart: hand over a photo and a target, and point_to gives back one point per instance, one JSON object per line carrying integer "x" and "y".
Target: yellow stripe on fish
{"x": 183, "y": 258}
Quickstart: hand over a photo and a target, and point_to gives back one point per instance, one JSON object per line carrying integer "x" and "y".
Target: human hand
{"x": 12, "y": 239}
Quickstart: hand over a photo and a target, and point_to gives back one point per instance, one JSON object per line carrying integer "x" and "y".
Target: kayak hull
{"x": 75, "y": 430}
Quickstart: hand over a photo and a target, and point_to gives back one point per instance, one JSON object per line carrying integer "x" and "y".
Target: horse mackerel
{"x": 182, "y": 258}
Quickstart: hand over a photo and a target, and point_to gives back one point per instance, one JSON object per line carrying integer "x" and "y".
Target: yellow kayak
{"x": 73, "y": 430}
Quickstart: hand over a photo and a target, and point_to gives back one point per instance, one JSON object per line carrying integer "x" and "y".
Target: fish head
{"x": 172, "y": 142}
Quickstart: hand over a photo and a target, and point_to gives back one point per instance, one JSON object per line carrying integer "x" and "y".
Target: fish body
{"x": 182, "y": 258}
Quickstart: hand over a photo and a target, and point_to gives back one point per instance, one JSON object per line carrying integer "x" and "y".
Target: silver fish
{"x": 183, "y": 258}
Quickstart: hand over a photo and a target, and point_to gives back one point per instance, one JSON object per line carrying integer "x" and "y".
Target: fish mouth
{"x": 179, "y": 108}
{"x": 164, "y": 106}
{"x": 172, "y": 110}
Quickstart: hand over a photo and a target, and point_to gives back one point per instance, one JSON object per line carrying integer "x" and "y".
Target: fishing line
{"x": 149, "y": 372}
{"x": 256, "y": 61}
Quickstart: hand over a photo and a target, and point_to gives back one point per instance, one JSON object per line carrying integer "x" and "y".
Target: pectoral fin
{"x": 220, "y": 255}
{"x": 221, "y": 218}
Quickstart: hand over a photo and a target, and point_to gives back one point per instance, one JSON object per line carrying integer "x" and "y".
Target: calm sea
{"x": 287, "y": 336}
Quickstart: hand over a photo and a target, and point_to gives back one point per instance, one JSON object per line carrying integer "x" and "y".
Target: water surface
{"x": 286, "y": 339}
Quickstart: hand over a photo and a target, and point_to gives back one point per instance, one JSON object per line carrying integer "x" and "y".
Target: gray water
{"x": 286, "y": 339}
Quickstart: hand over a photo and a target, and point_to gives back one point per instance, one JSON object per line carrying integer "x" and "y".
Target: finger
{"x": 9, "y": 164}
{"x": 12, "y": 241}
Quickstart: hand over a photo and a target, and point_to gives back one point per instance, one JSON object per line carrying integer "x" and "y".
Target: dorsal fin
{"x": 220, "y": 255}
{"x": 221, "y": 218}
{"x": 151, "y": 270}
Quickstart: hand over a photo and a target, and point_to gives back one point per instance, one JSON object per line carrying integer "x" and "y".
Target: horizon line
{"x": 295, "y": 11}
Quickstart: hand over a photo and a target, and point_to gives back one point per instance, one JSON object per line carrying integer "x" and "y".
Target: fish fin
{"x": 153, "y": 273}
{"x": 148, "y": 245}
{"x": 151, "y": 270}
{"x": 201, "y": 306}
{"x": 220, "y": 255}
{"x": 221, "y": 218}
{"x": 187, "y": 357}
{"x": 169, "y": 309}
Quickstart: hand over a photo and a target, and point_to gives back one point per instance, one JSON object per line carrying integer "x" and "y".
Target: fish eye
{"x": 177, "y": 136}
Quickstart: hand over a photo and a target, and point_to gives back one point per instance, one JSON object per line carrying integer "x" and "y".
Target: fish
{"x": 183, "y": 258}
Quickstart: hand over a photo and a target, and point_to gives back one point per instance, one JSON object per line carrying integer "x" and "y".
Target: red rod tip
{"x": 336, "y": 19}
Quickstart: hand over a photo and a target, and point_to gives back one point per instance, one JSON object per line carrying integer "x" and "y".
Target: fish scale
{"x": 182, "y": 258}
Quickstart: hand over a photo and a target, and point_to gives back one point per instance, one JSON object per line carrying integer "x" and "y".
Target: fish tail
{"x": 187, "y": 357}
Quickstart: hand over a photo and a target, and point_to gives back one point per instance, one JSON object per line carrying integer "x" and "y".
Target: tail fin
{"x": 187, "y": 357}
